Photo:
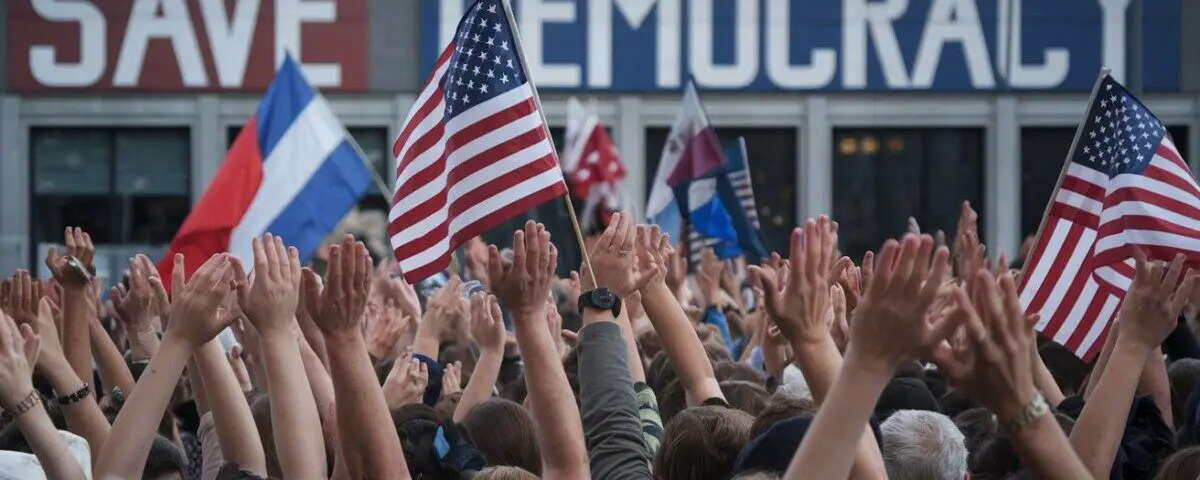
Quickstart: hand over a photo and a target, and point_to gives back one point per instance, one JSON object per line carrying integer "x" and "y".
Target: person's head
{"x": 504, "y": 473}
{"x": 1183, "y": 465}
{"x": 995, "y": 458}
{"x": 1066, "y": 368}
{"x": 166, "y": 461}
{"x": 923, "y": 445}
{"x": 416, "y": 425}
{"x": 956, "y": 402}
{"x": 702, "y": 443}
{"x": 503, "y": 432}
{"x": 780, "y": 409}
{"x": 748, "y": 397}
{"x": 757, "y": 476}
{"x": 260, "y": 409}
{"x": 1184, "y": 375}
{"x": 905, "y": 393}
{"x": 672, "y": 400}
{"x": 794, "y": 384}
{"x": 730, "y": 370}
{"x": 976, "y": 425}
{"x": 660, "y": 372}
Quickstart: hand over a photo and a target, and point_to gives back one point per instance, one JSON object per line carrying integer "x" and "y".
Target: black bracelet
{"x": 76, "y": 396}
{"x": 33, "y": 399}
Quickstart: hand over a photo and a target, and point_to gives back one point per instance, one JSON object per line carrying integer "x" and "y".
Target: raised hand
{"x": 79, "y": 249}
{"x": 799, "y": 306}
{"x": 446, "y": 307}
{"x": 406, "y": 382}
{"x": 385, "y": 325}
{"x": 890, "y": 325}
{"x": 839, "y": 326}
{"x": 452, "y": 379}
{"x": 613, "y": 261}
{"x": 195, "y": 301}
{"x": 654, "y": 254}
{"x": 391, "y": 285}
{"x": 1154, "y": 300}
{"x": 676, "y": 267}
{"x": 523, "y": 286}
{"x": 17, "y": 346}
{"x": 487, "y": 326}
{"x": 270, "y": 304}
{"x": 24, "y": 293}
{"x": 136, "y": 307}
{"x": 991, "y": 361}
{"x": 51, "y": 346}
{"x": 708, "y": 276}
{"x": 338, "y": 308}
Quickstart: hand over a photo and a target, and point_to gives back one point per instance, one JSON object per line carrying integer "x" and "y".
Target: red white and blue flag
{"x": 292, "y": 172}
{"x": 1125, "y": 186}
{"x": 474, "y": 150}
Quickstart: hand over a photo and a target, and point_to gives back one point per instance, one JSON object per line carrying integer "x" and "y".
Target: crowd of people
{"x": 916, "y": 363}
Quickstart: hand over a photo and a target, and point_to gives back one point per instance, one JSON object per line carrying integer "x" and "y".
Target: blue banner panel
{"x": 829, "y": 45}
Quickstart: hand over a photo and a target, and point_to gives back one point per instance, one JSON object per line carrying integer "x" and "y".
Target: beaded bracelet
{"x": 33, "y": 399}
{"x": 76, "y": 396}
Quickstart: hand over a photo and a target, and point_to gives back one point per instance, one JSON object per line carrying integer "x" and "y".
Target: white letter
{"x": 289, "y": 15}
{"x": 42, "y": 62}
{"x": 856, "y": 15}
{"x": 1008, "y": 39}
{"x": 533, "y": 14}
{"x": 175, "y": 25}
{"x": 822, "y": 65}
{"x": 635, "y": 13}
{"x": 1113, "y": 34}
{"x": 745, "y": 41}
{"x": 953, "y": 21}
{"x": 230, "y": 40}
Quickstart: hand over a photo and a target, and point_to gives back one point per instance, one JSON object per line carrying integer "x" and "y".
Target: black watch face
{"x": 605, "y": 299}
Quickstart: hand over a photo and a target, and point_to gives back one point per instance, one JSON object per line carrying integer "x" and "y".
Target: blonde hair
{"x": 505, "y": 473}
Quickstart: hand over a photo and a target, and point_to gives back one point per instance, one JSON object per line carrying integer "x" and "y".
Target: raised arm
{"x": 373, "y": 450}
{"x": 522, "y": 288}
{"x": 75, "y": 340}
{"x": 135, "y": 307}
{"x": 674, "y": 328}
{"x": 1148, "y": 315}
{"x": 487, "y": 327}
{"x": 445, "y": 307}
{"x": 234, "y": 424}
{"x": 18, "y": 346}
{"x": 194, "y": 321}
{"x": 270, "y": 305}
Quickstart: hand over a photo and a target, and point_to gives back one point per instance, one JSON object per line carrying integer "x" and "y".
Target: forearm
{"x": 428, "y": 339}
{"x": 143, "y": 344}
{"x": 196, "y": 381}
{"x": 820, "y": 363}
{"x": 373, "y": 451}
{"x": 1154, "y": 383}
{"x": 109, "y": 361}
{"x": 49, "y": 447}
{"x": 482, "y": 382}
{"x": 233, "y": 422}
{"x": 556, "y": 419}
{"x": 1046, "y": 452}
{"x": 1100, "y": 426}
{"x": 318, "y": 378}
{"x": 1101, "y": 361}
{"x": 316, "y": 340}
{"x": 827, "y": 451}
{"x": 1044, "y": 381}
{"x": 139, "y": 418}
{"x": 636, "y": 370}
{"x": 297, "y": 427}
{"x": 682, "y": 345}
{"x": 76, "y": 342}
{"x": 613, "y": 430}
{"x": 84, "y": 417}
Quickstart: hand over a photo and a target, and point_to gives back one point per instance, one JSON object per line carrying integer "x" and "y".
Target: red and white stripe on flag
{"x": 1125, "y": 187}
{"x": 473, "y": 151}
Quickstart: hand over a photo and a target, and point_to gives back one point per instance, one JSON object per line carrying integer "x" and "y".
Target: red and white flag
{"x": 474, "y": 150}
{"x": 592, "y": 164}
{"x": 1125, "y": 187}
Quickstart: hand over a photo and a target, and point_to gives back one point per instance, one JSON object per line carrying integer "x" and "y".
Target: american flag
{"x": 1125, "y": 186}
{"x": 474, "y": 150}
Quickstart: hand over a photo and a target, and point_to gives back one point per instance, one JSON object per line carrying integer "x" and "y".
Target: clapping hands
{"x": 523, "y": 286}
{"x": 338, "y": 308}
{"x": 270, "y": 304}
{"x": 194, "y": 318}
{"x": 800, "y": 305}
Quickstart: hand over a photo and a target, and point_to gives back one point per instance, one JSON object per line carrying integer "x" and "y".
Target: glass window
{"x": 125, "y": 186}
{"x": 1043, "y": 152}
{"x": 883, "y": 176}
{"x": 773, "y": 159}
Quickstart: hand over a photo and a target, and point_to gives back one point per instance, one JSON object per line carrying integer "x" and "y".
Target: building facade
{"x": 115, "y": 114}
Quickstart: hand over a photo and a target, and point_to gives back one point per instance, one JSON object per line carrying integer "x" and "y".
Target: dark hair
{"x": 976, "y": 425}
{"x": 416, "y": 425}
{"x": 748, "y": 397}
{"x": 260, "y": 409}
{"x": 702, "y": 443}
{"x": 231, "y": 471}
{"x": 660, "y": 372}
{"x": 1184, "y": 374}
{"x": 516, "y": 390}
{"x": 730, "y": 370}
{"x": 672, "y": 400}
{"x": 717, "y": 352}
{"x": 780, "y": 409}
{"x": 164, "y": 458}
{"x": 1067, "y": 369}
{"x": 995, "y": 458}
{"x": 1183, "y": 465}
{"x": 955, "y": 403}
{"x": 504, "y": 433}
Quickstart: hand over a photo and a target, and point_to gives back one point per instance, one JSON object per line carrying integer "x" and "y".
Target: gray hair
{"x": 923, "y": 445}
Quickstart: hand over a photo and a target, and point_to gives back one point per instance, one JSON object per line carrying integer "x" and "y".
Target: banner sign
{"x": 830, "y": 45}
{"x": 183, "y": 45}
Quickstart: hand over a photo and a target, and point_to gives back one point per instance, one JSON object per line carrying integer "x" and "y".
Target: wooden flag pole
{"x": 512, "y": 24}
{"x": 1058, "y": 186}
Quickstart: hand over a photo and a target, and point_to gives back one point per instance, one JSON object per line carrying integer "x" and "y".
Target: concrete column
{"x": 814, "y": 175}
{"x": 1002, "y": 180}
{"x": 15, "y": 195}
{"x": 631, "y": 141}
{"x": 208, "y": 143}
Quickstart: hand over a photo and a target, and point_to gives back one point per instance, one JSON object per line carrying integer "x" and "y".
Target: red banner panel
{"x": 183, "y": 45}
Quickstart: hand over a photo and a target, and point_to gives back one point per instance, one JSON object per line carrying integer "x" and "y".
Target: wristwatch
{"x": 600, "y": 299}
{"x": 1032, "y": 411}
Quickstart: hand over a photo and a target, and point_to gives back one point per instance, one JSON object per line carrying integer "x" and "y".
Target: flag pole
{"x": 1062, "y": 174}
{"x": 512, "y": 24}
